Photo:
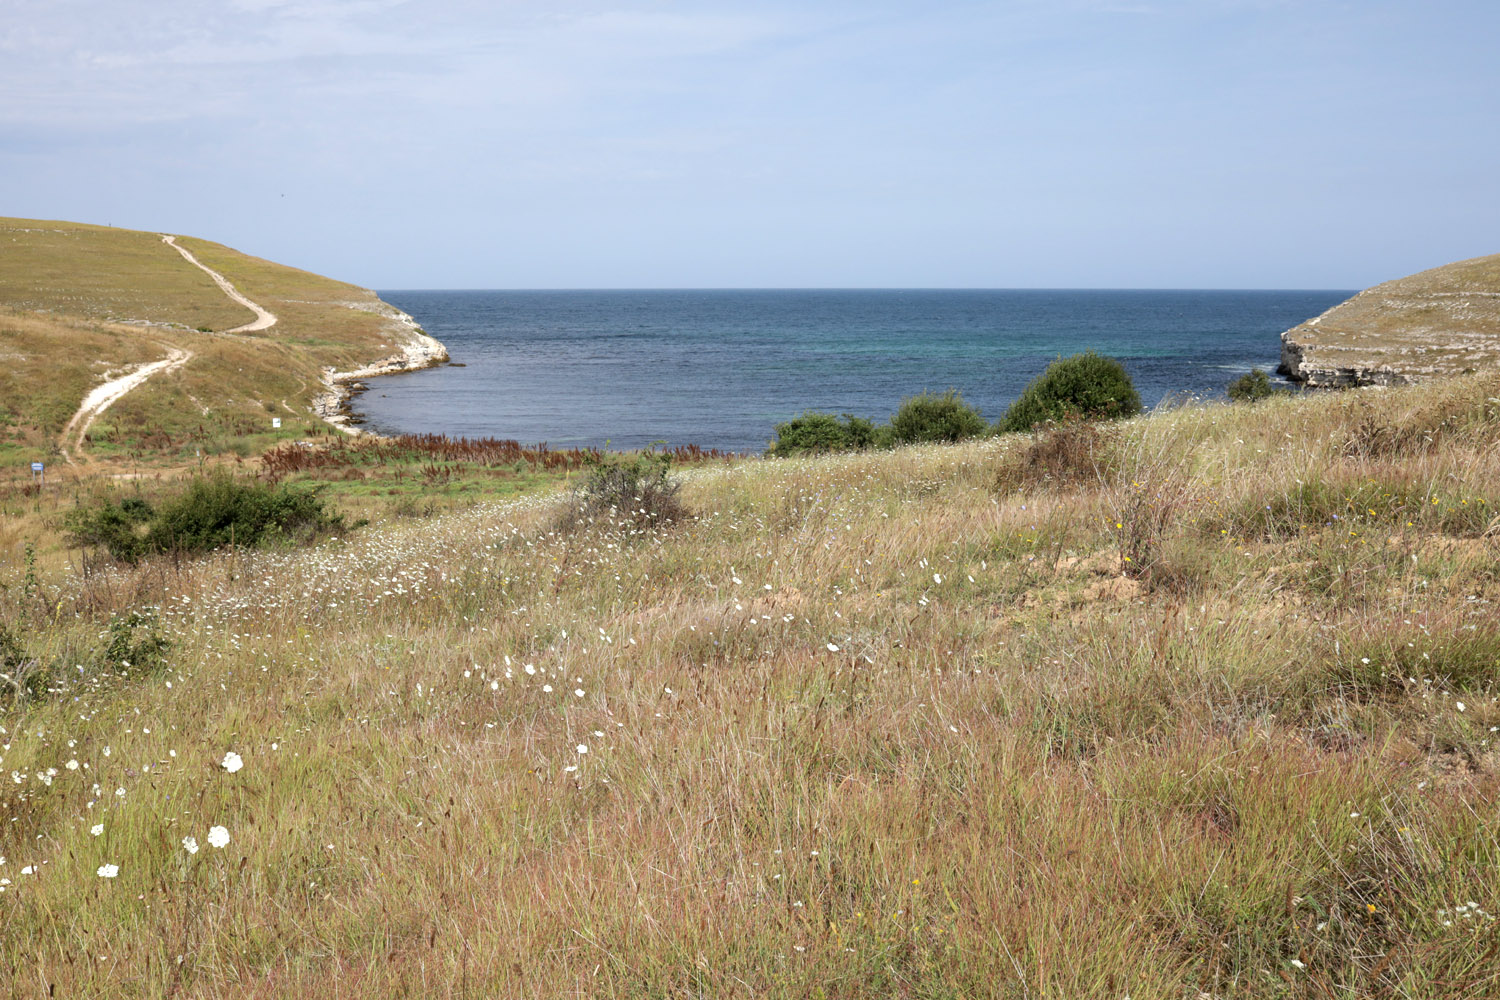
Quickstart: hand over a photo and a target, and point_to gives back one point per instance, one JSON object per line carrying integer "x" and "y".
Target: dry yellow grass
{"x": 866, "y": 726}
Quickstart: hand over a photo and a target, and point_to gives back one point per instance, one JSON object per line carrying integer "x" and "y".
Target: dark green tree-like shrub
{"x": 1085, "y": 386}
{"x": 816, "y": 433}
{"x": 930, "y": 417}
{"x": 212, "y": 511}
{"x": 1254, "y": 386}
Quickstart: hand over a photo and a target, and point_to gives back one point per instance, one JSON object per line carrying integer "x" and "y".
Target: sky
{"x": 814, "y": 143}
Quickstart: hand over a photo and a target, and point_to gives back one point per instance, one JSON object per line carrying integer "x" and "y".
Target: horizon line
{"x": 856, "y": 288}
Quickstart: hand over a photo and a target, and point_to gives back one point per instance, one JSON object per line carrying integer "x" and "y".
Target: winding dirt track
{"x": 102, "y": 397}
{"x": 264, "y": 320}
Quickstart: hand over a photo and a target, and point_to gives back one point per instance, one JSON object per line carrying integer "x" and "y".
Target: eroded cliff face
{"x": 1445, "y": 321}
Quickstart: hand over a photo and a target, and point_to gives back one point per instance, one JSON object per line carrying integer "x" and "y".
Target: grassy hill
{"x": 1443, "y": 321}
{"x": 1202, "y": 704}
{"x": 80, "y": 303}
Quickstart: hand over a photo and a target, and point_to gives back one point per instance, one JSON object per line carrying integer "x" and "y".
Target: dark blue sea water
{"x": 720, "y": 368}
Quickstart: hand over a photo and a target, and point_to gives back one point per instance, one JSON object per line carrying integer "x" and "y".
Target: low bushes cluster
{"x": 921, "y": 419}
{"x": 211, "y": 512}
{"x": 1254, "y": 386}
{"x": 1084, "y": 387}
{"x": 815, "y": 433}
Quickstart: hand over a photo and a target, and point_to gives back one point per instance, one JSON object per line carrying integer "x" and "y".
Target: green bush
{"x": 1086, "y": 386}
{"x": 116, "y": 526}
{"x": 1253, "y": 386}
{"x": 929, "y": 417}
{"x": 213, "y": 511}
{"x": 637, "y": 491}
{"x": 815, "y": 433}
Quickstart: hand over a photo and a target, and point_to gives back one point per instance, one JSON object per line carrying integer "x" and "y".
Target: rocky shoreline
{"x": 418, "y": 350}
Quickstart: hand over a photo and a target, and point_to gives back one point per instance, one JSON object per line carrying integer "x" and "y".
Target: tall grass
{"x": 882, "y": 724}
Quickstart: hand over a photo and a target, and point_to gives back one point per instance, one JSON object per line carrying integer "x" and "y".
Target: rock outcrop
{"x": 418, "y": 350}
{"x": 1445, "y": 321}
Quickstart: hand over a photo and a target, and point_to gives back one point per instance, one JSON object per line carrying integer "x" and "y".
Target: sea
{"x": 719, "y": 369}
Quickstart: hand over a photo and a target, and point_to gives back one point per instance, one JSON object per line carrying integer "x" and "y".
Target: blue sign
{"x": 37, "y": 466}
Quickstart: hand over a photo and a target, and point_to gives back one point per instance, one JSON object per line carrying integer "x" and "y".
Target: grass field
{"x": 1202, "y": 706}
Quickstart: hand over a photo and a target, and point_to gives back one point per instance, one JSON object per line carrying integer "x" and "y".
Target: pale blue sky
{"x": 1069, "y": 143}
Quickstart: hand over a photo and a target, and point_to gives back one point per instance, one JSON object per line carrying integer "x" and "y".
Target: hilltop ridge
{"x": 1443, "y": 321}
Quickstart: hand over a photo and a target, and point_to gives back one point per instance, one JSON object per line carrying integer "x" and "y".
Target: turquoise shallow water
{"x": 720, "y": 368}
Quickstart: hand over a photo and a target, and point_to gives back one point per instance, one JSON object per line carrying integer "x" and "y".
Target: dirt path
{"x": 263, "y": 320}
{"x": 104, "y": 396}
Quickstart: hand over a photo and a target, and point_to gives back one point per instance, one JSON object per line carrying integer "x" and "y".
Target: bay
{"x": 720, "y": 368}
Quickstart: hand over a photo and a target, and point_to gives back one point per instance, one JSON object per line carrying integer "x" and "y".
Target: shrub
{"x": 815, "y": 433}
{"x": 213, "y": 511}
{"x": 929, "y": 417}
{"x": 1254, "y": 386}
{"x": 116, "y": 526}
{"x": 1070, "y": 454}
{"x": 1085, "y": 386}
{"x": 637, "y": 491}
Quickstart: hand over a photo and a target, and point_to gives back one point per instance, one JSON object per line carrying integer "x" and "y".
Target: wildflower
{"x": 96, "y": 829}
{"x": 582, "y": 748}
{"x": 1460, "y": 706}
{"x": 232, "y": 762}
{"x": 190, "y": 844}
{"x": 218, "y": 837}
{"x": 72, "y": 765}
{"x": 108, "y": 871}
{"x": 578, "y": 693}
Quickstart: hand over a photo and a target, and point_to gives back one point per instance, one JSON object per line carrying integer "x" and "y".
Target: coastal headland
{"x": 1444, "y": 321}
{"x": 190, "y": 346}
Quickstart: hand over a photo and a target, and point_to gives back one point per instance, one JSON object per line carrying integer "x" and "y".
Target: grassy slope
{"x": 870, "y": 725}
{"x": 76, "y": 301}
{"x": 1441, "y": 321}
